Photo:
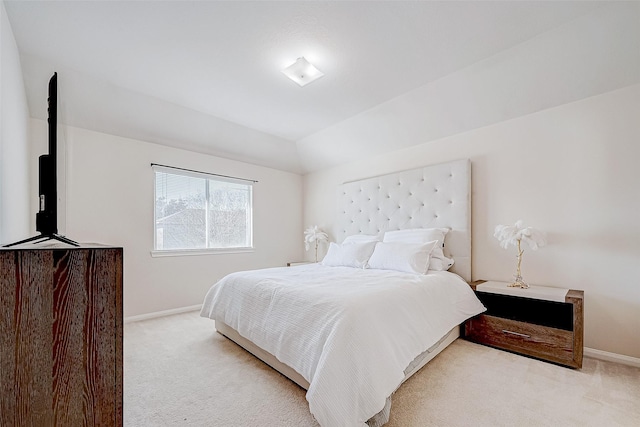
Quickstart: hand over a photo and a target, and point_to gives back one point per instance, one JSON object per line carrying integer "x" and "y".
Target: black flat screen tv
{"x": 47, "y": 216}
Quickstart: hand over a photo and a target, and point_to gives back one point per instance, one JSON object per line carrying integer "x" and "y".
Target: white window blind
{"x": 198, "y": 211}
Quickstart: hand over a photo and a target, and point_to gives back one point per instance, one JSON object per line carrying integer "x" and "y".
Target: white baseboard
{"x": 163, "y": 313}
{"x": 612, "y": 357}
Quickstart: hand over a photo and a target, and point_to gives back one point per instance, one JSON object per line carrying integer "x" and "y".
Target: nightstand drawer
{"x": 534, "y": 340}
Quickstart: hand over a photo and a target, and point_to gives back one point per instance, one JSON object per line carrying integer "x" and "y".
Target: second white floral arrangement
{"x": 312, "y": 236}
{"x": 515, "y": 235}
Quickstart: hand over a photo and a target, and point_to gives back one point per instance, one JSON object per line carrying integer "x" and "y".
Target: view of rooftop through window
{"x": 197, "y": 211}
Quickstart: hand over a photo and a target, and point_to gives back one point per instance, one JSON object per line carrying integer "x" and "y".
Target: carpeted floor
{"x": 178, "y": 371}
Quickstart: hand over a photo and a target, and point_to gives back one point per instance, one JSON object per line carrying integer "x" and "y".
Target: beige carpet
{"x": 178, "y": 371}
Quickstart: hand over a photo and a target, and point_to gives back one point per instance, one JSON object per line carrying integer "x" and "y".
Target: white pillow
{"x": 349, "y": 255}
{"x": 407, "y": 257}
{"x": 360, "y": 238}
{"x": 417, "y": 235}
{"x": 440, "y": 264}
{"x": 439, "y": 261}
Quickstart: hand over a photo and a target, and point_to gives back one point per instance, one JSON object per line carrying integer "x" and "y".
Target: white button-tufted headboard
{"x": 433, "y": 196}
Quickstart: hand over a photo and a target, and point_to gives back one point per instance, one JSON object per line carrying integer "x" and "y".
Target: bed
{"x": 352, "y": 329}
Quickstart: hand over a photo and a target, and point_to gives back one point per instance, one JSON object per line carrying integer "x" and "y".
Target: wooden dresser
{"x": 61, "y": 336}
{"x": 541, "y": 322}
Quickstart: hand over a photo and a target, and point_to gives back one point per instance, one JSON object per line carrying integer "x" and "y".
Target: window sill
{"x": 190, "y": 252}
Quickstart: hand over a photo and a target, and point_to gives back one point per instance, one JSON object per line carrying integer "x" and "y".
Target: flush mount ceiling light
{"x": 302, "y": 72}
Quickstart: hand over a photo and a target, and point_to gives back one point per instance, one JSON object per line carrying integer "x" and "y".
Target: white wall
{"x": 571, "y": 171}
{"x": 110, "y": 186}
{"x": 15, "y": 190}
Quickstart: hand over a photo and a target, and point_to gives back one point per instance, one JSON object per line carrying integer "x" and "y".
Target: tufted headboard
{"x": 428, "y": 197}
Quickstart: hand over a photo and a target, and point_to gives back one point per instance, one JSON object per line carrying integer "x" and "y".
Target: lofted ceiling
{"x": 206, "y": 75}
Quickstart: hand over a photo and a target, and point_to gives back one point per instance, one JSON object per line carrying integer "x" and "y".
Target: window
{"x": 200, "y": 212}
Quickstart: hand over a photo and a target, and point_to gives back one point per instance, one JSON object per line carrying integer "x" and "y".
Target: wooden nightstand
{"x": 541, "y": 322}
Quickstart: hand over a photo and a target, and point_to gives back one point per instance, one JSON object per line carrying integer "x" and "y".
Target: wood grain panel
{"x": 61, "y": 337}
{"x": 26, "y": 338}
{"x": 576, "y": 298}
{"x": 87, "y": 308}
{"x": 543, "y": 342}
{"x": 69, "y": 315}
{"x": 100, "y": 337}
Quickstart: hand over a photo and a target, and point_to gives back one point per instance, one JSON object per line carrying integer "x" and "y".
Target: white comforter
{"x": 349, "y": 332}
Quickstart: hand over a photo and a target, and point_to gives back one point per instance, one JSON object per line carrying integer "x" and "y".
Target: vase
{"x": 518, "y": 281}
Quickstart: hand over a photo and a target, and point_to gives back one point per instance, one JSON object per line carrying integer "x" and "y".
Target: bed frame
{"x": 294, "y": 376}
{"x": 428, "y": 197}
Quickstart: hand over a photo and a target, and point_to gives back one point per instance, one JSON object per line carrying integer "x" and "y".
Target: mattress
{"x": 349, "y": 333}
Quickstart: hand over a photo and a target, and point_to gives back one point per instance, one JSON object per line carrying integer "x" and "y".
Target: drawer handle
{"x": 516, "y": 333}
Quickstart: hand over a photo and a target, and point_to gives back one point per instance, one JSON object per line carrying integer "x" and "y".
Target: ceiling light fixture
{"x": 302, "y": 72}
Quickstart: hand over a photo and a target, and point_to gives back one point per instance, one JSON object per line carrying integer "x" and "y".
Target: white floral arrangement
{"x": 313, "y": 235}
{"x": 515, "y": 235}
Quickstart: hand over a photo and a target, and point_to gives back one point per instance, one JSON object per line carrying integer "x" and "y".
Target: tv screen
{"x": 47, "y": 215}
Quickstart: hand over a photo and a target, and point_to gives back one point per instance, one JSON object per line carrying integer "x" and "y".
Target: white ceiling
{"x": 206, "y": 76}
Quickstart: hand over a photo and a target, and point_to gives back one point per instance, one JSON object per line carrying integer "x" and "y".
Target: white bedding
{"x": 349, "y": 332}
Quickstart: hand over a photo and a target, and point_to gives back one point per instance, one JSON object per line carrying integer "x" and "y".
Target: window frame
{"x": 155, "y": 252}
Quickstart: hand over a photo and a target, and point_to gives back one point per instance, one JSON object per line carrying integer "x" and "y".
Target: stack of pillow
{"x": 415, "y": 250}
